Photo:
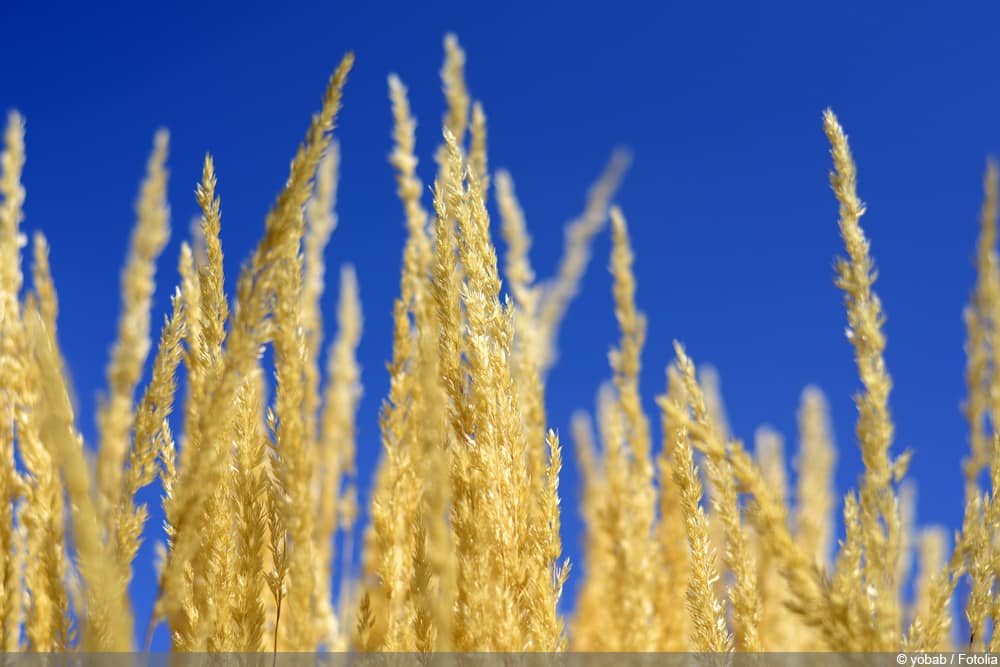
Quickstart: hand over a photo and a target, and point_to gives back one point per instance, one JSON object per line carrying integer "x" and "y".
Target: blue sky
{"x": 728, "y": 201}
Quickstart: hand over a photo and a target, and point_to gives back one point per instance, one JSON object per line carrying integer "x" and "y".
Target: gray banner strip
{"x": 494, "y": 659}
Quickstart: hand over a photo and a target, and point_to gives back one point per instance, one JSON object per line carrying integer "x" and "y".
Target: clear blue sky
{"x": 728, "y": 200}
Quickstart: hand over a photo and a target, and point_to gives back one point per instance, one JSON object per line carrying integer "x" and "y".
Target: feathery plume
{"x": 250, "y": 328}
{"x": 671, "y": 533}
{"x": 321, "y": 221}
{"x": 128, "y": 355}
{"x": 879, "y": 508}
{"x": 983, "y": 336}
{"x": 11, "y": 166}
{"x": 563, "y": 287}
{"x": 814, "y": 495}
{"x": 706, "y": 611}
{"x": 107, "y": 621}
{"x": 47, "y": 615}
{"x": 337, "y": 435}
{"x": 749, "y": 619}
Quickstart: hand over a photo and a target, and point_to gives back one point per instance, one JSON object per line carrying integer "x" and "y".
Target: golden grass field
{"x": 696, "y": 543}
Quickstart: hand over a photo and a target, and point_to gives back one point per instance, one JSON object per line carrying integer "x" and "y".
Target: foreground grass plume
{"x": 693, "y": 542}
